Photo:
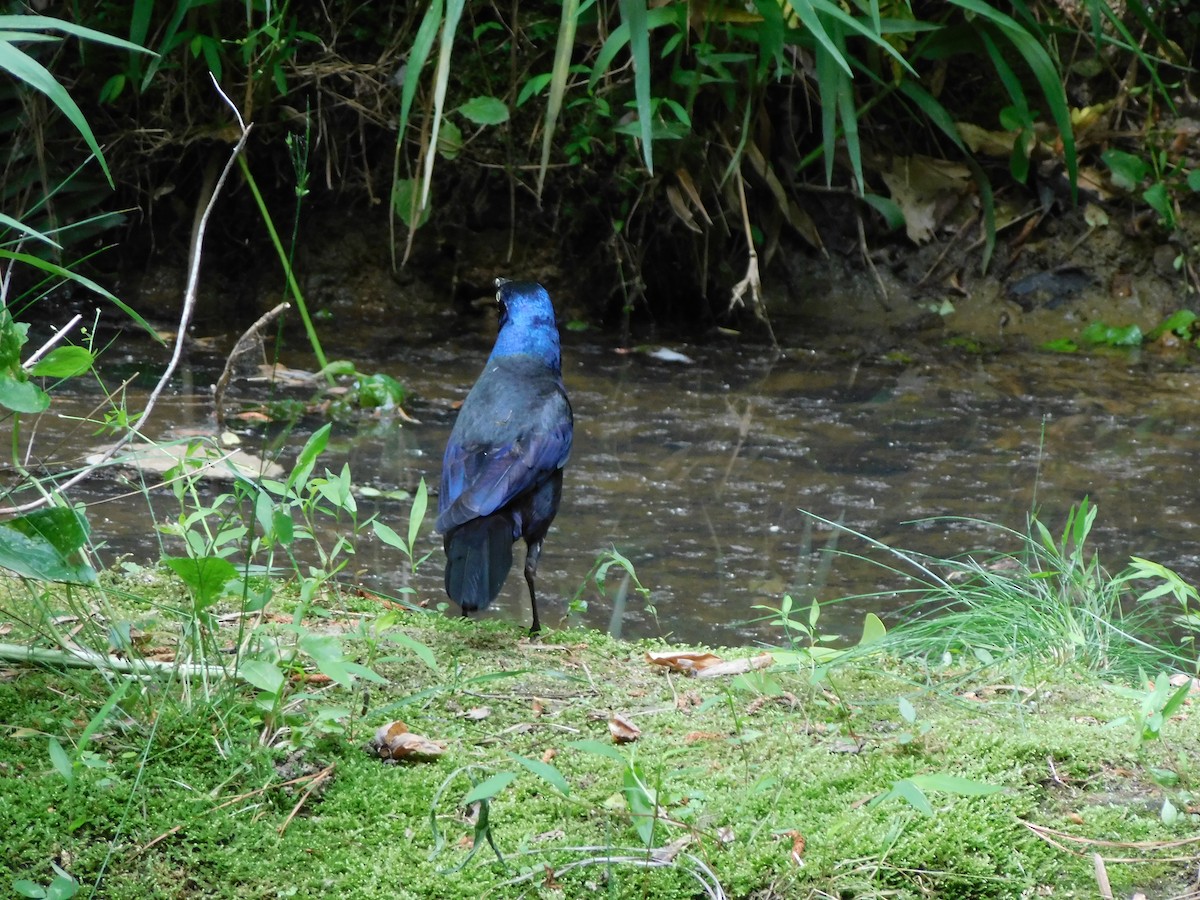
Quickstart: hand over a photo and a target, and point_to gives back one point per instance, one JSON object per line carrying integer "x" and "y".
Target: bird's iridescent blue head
{"x": 527, "y": 323}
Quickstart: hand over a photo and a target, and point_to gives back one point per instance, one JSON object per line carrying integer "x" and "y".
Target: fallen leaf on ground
{"x": 797, "y": 847}
{"x": 622, "y": 730}
{"x": 393, "y": 741}
{"x": 477, "y": 712}
{"x": 737, "y": 666}
{"x": 707, "y": 665}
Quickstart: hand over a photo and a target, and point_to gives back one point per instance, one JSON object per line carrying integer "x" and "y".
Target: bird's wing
{"x": 480, "y": 477}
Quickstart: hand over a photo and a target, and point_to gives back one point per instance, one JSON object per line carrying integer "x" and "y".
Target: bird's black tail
{"x": 478, "y": 557}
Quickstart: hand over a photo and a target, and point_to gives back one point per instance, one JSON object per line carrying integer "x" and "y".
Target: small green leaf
{"x": 873, "y": 630}
{"x": 450, "y": 140}
{"x": 599, "y": 748}
{"x": 544, "y": 771}
{"x": 61, "y": 760}
{"x": 489, "y": 787}
{"x": 416, "y": 515}
{"x": 205, "y": 576}
{"x": 405, "y": 198}
{"x": 485, "y": 110}
{"x": 908, "y": 712}
{"x": 263, "y": 675}
{"x": 1128, "y": 171}
{"x": 1193, "y": 180}
{"x": 387, "y": 534}
{"x": 422, "y": 652}
{"x": 954, "y": 784}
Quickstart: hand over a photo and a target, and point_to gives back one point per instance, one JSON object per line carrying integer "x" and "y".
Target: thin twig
{"x": 45, "y": 348}
{"x": 317, "y": 780}
{"x": 185, "y": 318}
{"x": 250, "y": 334}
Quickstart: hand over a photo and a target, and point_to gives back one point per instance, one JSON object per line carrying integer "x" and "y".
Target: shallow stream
{"x": 701, "y": 472}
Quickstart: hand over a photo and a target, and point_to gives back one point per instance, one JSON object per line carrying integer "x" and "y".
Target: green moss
{"x": 183, "y": 800}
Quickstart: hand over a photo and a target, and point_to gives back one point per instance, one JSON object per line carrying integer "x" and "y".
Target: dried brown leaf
{"x": 623, "y": 731}
{"x": 393, "y": 741}
{"x": 736, "y": 666}
{"x": 687, "y": 663}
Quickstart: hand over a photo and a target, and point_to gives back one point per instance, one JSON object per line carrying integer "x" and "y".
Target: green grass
{"x": 183, "y": 799}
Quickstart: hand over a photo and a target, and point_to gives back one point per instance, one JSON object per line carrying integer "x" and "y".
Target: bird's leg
{"x": 532, "y": 552}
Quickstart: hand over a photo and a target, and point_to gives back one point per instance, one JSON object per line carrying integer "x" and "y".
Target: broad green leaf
{"x": 489, "y": 787}
{"x": 263, "y": 675}
{"x": 22, "y": 396}
{"x": 1128, "y": 171}
{"x": 205, "y": 576}
{"x": 544, "y": 771}
{"x": 405, "y": 196}
{"x": 65, "y": 529}
{"x": 450, "y": 140}
{"x": 485, "y": 110}
{"x": 63, "y": 362}
{"x": 38, "y": 546}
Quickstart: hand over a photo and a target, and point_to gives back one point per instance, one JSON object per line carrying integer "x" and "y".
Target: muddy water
{"x": 700, "y": 471}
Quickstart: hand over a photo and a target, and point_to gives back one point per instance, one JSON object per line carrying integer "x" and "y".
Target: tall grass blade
{"x": 809, "y": 18}
{"x": 32, "y": 73}
{"x": 634, "y": 14}
{"x": 454, "y": 10}
{"x": 83, "y": 281}
{"x": 10, "y": 222}
{"x": 830, "y": 81}
{"x": 558, "y": 83}
{"x": 873, "y": 35}
{"x": 1044, "y": 71}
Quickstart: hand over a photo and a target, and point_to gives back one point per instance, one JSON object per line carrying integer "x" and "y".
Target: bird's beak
{"x": 501, "y": 282}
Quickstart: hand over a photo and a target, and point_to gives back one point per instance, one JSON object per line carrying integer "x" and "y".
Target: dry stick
{"x": 185, "y": 318}
{"x": 45, "y": 348}
{"x": 317, "y": 780}
{"x": 324, "y": 773}
{"x": 866, "y": 255}
{"x": 250, "y": 334}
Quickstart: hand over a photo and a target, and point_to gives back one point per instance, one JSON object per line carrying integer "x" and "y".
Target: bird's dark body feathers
{"x": 503, "y": 466}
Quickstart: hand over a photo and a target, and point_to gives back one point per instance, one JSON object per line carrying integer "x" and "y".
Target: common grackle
{"x": 503, "y": 468}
